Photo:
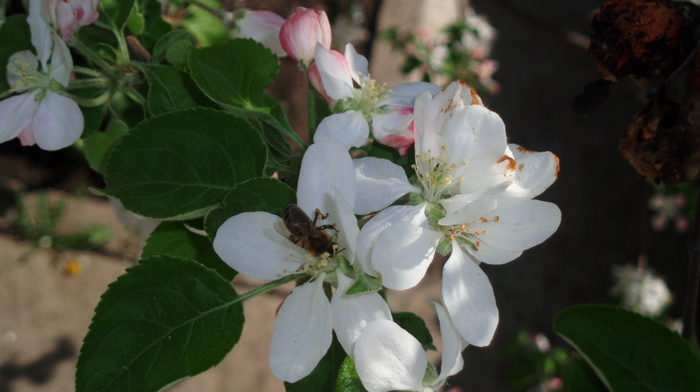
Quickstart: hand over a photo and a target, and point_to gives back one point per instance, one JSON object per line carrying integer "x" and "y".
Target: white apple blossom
{"x": 257, "y": 244}
{"x": 40, "y": 114}
{"x": 388, "y": 358}
{"x": 472, "y": 200}
{"x": 361, "y": 104}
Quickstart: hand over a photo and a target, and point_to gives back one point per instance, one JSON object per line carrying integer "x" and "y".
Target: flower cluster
{"x": 461, "y": 51}
{"x": 40, "y": 114}
{"x": 471, "y": 199}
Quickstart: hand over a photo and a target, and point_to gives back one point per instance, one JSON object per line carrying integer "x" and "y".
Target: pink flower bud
{"x": 300, "y": 33}
{"x": 262, "y": 26}
{"x": 67, "y": 16}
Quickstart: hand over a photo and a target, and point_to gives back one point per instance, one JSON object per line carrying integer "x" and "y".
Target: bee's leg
{"x": 324, "y": 227}
{"x": 317, "y": 215}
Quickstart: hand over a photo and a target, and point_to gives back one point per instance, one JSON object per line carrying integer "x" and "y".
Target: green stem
{"x": 90, "y": 102}
{"x": 89, "y": 83}
{"x": 266, "y": 287}
{"x": 87, "y": 71}
{"x": 91, "y": 55}
{"x": 123, "y": 52}
{"x": 136, "y": 96}
{"x": 311, "y": 108}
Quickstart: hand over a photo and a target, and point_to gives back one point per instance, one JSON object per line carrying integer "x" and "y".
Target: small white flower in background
{"x": 40, "y": 114}
{"x": 641, "y": 290}
{"x": 258, "y": 245}
{"x": 479, "y": 38}
{"x": 669, "y": 208}
{"x": 388, "y": 358}
{"x": 473, "y": 200}
{"x": 360, "y": 104}
{"x": 262, "y": 26}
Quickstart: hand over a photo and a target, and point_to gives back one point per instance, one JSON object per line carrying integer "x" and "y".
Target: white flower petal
{"x": 379, "y": 183}
{"x": 452, "y": 345}
{"x": 403, "y": 253}
{"x": 371, "y": 230}
{"x": 351, "y": 313}
{"x": 40, "y": 32}
{"x": 357, "y": 63}
{"x": 489, "y": 254}
{"x": 470, "y": 207}
{"x": 392, "y": 123}
{"x": 326, "y": 166}
{"x": 349, "y": 128}
{"x": 431, "y": 114}
{"x": 469, "y": 299}
{"x": 518, "y": 227}
{"x": 249, "y": 243}
{"x": 57, "y": 123}
{"x": 405, "y": 94}
{"x": 335, "y": 73}
{"x": 303, "y": 332}
{"x": 16, "y": 114}
{"x": 424, "y": 121}
{"x": 536, "y": 171}
{"x": 387, "y": 358}
{"x": 346, "y": 224}
{"x": 61, "y": 61}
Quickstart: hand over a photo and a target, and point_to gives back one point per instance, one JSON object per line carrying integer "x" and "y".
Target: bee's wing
{"x": 282, "y": 229}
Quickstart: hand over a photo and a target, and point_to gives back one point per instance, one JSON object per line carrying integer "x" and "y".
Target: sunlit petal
{"x": 303, "y": 332}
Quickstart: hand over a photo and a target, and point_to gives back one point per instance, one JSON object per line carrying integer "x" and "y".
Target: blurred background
{"x": 61, "y": 245}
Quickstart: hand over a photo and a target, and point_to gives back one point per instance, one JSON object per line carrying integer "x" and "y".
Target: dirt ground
{"x": 45, "y": 310}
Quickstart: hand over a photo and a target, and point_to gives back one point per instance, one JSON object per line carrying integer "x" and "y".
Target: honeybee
{"x": 304, "y": 232}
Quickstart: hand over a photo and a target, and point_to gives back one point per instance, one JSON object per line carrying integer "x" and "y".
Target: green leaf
{"x": 259, "y": 194}
{"x": 323, "y": 377}
{"x": 630, "y": 352}
{"x": 234, "y": 73}
{"x": 416, "y": 327}
{"x": 115, "y": 13}
{"x": 173, "y": 239}
{"x": 170, "y": 89}
{"x": 154, "y": 26}
{"x": 180, "y": 165}
{"x": 348, "y": 379}
{"x": 173, "y": 47}
{"x": 99, "y": 145}
{"x": 163, "y": 320}
{"x": 15, "y": 36}
{"x": 580, "y": 377}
